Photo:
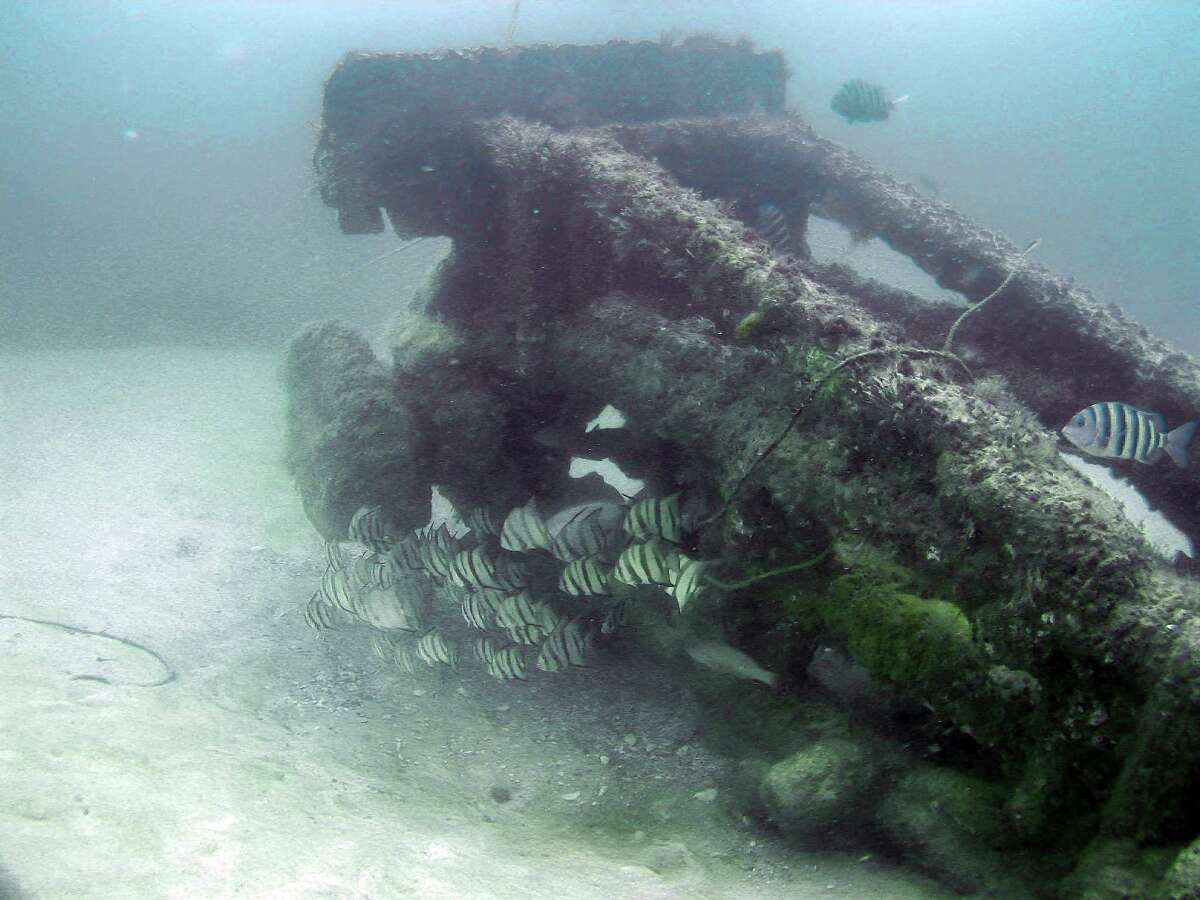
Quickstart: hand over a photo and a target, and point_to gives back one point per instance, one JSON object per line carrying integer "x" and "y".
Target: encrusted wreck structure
{"x": 598, "y": 199}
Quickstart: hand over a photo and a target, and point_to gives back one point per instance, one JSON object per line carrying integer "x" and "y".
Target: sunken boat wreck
{"x": 864, "y": 473}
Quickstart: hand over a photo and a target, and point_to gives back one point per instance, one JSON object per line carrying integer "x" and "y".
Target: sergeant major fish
{"x": 861, "y": 101}
{"x": 1116, "y": 430}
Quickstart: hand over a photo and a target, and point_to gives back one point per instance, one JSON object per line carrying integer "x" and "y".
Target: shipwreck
{"x": 600, "y": 203}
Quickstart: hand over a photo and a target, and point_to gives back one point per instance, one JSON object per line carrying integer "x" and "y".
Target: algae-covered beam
{"x": 1059, "y": 349}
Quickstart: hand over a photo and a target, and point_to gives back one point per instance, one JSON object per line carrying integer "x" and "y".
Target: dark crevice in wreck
{"x": 605, "y": 252}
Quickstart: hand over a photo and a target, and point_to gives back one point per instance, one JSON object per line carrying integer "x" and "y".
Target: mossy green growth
{"x": 751, "y": 323}
{"x": 904, "y": 640}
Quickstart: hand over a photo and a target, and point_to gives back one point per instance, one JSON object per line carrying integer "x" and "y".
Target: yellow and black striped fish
{"x": 485, "y": 649}
{"x": 433, "y": 648}
{"x": 434, "y": 560}
{"x": 335, "y": 557}
{"x": 585, "y": 577}
{"x": 689, "y": 581}
{"x": 477, "y": 611}
{"x": 565, "y": 646}
{"x": 484, "y": 568}
{"x": 647, "y": 563}
{"x": 655, "y": 517}
{"x": 861, "y": 101}
{"x": 405, "y": 554}
{"x": 521, "y": 608}
{"x": 371, "y": 571}
{"x": 527, "y": 635}
{"x": 338, "y": 590}
{"x": 370, "y": 526}
{"x": 384, "y": 645}
{"x": 406, "y": 659}
{"x": 1117, "y": 430}
{"x": 482, "y": 520}
{"x": 524, "y": 529}
{"x": 581, "y": 535}
{"x": 614, "y": 619}
{"x": 319, "y": 615}
{"x": 507, "y": 664}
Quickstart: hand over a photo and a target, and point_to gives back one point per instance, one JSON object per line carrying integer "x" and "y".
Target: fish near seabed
{"x": 1116, "y": 430}
{"x": 729, "y": 660}
{"x": 861, "y": 101}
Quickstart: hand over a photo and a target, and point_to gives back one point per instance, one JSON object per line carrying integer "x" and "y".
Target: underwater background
{"x": 161, "y": 239}
{"x": 155, "y": 157}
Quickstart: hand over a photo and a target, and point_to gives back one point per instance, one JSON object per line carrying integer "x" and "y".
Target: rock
{"x": 1182, "y": 881}
{"x": 1113, "y": 869}
{"x": 950, "y": 824}
{"x": 818, "y": 788}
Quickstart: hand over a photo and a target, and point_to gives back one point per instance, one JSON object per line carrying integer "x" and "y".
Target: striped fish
{"x": 406, "y": 659}
{"x": 320, "y": 616}
{"x": 387, "y": 609}
{"x": 527, "y": 635}
{"x": 485, "y": 649}
{"x": 581, "y": 536}
{"x": 861, "y": 101}
{"x": 337, "y": 589}
{"x": 771, "y": 222}
{"x": 524, "y": 530}
{"x": 371, "y": 571}
{"x": 482, "y": 520}
{"x": 519, "y": 609}
{"x": 689, "y": 581}
{"x": 1116, "y": 430}
{"x": 477, "y": 611}
{"x": 585, "y": 578}
{"x": 485, "y": 568}
{"x": 614, "y": 619}
{"x": 335, "y": 556}
{"x": 383, "y": 645}
{"x": 507, "y": 664}
{"x": 647, "y": 563}
{"x": 565, "y": 646}
{"x": 370, "y": 526}
{"x": 405, "y": 554}
{"x": 434, "y": 560}
{"x": 433, "y": 648}
{"x": 656, "y": 517}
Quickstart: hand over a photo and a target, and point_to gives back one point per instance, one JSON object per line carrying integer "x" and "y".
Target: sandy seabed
{"x": 186, "y": 736}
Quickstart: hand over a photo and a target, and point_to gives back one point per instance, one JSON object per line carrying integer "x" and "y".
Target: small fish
{"x": 321, "y": 616}
{"x": 772, "y": 224}
{"x": 861, "y": 101}
{"x": 657, "y": 517}
{"x": 434, "y": 559}
{"x": 588, "y": 529}
{"x": 482, "y": 520}
{"x": 614, "y": 619}
{"x": 338, "y": 590}
{"x": 370, "y": 526}
{"x": 383, "y": 645}
{"x": 646, "y": 563}
{"x": 585, "y": 578}
{"x": 524, "y": 529}
{"x": 335, "y": 557}
{"x": 689, "y": 581}
{"x": 406, "y": 554}
{"x": 729, "y": 661}
{"x": 519, "y": 609}
{"x": 433, "y": 648}
{"x": 485, "y": 649}
{"x": 526, "y": 635}
{"x": 507, "y": 664}
{"x": 477, "y": 611}
{"x": 1116, "y": 430}
{"x": 388, "y": 609}
{"x": 565, "y": 646}
{"x": 406, "y": 660}
{"x": 371, "y": 571}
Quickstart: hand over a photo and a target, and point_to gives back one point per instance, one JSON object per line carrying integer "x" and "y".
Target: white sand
{"x": 144, "y": 497}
